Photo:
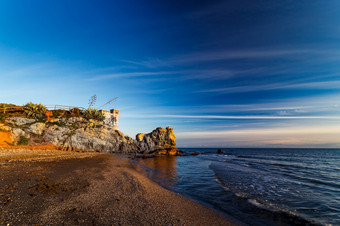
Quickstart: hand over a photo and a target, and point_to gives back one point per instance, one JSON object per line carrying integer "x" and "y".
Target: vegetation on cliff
{"x": 36, "y": 111}
{"x": 39, "y": 111}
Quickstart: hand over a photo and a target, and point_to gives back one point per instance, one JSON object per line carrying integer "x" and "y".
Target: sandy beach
{"x": 72, "y": 188}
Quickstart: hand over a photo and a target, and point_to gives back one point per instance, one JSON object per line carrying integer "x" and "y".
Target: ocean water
{"x": 257, "y": 186}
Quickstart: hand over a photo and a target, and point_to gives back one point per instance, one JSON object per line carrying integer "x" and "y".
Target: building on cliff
{"x": 111, "y": 118}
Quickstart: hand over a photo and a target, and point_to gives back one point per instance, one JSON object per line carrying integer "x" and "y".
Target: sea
{"x": 256, "y": 186}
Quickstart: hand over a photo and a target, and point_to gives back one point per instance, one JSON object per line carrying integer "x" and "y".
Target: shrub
{"x": 75, "y": 112}
{"x": 3, "y": 111}
{"x": 2, "y": 117}
{"x": 56, "y": 114}
{"x": 92, "y": 113}
{"x": 36, "y": 111}
{"x": 59, "y": 123}
{"x": 23, "y": 140}
{"x": 4, "y": 108}
{"x": 59, "y": 113}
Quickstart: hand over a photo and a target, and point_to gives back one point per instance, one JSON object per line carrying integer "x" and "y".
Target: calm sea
{"x": 257, "y": 186}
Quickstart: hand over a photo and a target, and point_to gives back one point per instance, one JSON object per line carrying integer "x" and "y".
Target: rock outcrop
{"x": 77, "y": 133}
{"x": 158, "y": 140}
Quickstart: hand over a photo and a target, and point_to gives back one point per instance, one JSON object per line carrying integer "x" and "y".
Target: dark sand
{"x": 56, "y": 187}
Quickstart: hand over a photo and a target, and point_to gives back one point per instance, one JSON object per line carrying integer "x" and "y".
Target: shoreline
{"x": 89, "y": 188}
{"x": 166, "y": 183}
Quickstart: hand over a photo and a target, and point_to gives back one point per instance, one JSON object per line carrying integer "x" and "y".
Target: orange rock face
{"x": 5, "y": 138}
{"x": 48, "y": 114}
{"x": 163, "y": 152}
{"x": 171, "y": 151}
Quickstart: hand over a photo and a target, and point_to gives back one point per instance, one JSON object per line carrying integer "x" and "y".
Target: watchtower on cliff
{"x": 111, "y": 117}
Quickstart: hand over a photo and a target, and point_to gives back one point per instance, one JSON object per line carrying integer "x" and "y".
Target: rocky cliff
{"x": 77, "y": 133}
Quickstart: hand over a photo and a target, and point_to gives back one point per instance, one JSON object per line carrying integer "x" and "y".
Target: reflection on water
{"x": 256, "y": 186}
{"x": 161, "y": 169}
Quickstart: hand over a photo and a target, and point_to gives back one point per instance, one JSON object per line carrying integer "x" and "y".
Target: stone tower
{"x": 111, "y": 117}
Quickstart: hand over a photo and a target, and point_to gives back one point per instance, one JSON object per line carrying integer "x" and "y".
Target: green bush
{"x": 59, "y": 123}
{"x": 23, "y": 140}
{"x": 56, "y": 114}
{"x": 3, "y": 112}
{"x": 75, "y": 112}
{"x": 4, "y": 108}
{"x": 92, "y": 113}
{"x": 2, "y": 117}
{"x": 36, "y": 111}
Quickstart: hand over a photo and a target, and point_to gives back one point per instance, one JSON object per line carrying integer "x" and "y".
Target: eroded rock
{"x": 17, "y": 133}
{"x": 139, "y": 137}
{"x": 158, "y": 140}
{"x": 37, "y": 128}
{"x": 19, "y": 121}
{"x": 4, "y": 128}
{"x": 77, "y": 133}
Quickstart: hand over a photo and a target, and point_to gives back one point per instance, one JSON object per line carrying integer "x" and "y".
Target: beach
{"x": 59, "y": 187}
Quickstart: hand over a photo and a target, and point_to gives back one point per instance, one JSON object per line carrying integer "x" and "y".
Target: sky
{"x": 251, "y": 73}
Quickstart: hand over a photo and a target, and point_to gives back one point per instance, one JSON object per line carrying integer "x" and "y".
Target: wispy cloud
{"x": 133, "y": 74}
{"x": 335, "y": 129}
{"x": 238, "y": 54}
{"x": 150, "y": 63}
{"x": 292, "y": 136}
{"x": 232, "y": 54}
{"x": 234, "y": 117}
{"x": 245, "y": 117}
{"x": 211, "y": 74}
{"x": 335, "y": 84}
{"x": 322, "y": 105}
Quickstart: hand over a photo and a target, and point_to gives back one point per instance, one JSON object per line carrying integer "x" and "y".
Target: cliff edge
{"x": 78, "y": 133}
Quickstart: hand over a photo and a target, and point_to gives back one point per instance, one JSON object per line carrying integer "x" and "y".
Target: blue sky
{"x": 221, "y": 73}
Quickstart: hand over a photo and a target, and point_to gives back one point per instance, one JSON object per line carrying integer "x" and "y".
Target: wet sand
{"x": 58, "y": 187}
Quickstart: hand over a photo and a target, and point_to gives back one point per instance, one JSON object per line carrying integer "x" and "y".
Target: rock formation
{"x": 161, "y": 140}
{"x": 77, "y": 133}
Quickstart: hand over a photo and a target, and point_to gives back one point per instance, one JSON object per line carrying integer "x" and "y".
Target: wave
{"x": 270, "y": 207}
{"x": 262, "y": 195}
{"x": 265, "y": 187}
{"x": 291, "y": 216}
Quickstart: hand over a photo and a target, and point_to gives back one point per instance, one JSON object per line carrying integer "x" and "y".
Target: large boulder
{"x": 158, "y": 140}
{"x": 37, "y": 128}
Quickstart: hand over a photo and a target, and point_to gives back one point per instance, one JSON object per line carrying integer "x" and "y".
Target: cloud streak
{"x": 233, "y": 117}
{"x": 133, "y": 74}
{"x": 232, "y": 54}
{"x": 267, "y": 132}
{"x": 293, "y": 136}
{"x": 335, "y": 84}
{"x": 211, "y": 74}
